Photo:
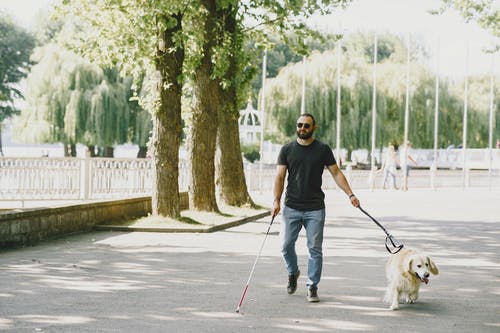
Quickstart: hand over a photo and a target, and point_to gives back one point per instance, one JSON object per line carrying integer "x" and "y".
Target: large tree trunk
{"x": 204, "y": 130}
{"x": 166, "y": 136}
{"x": 230, "y": 173}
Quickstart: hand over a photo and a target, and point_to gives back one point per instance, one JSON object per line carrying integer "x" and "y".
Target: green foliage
{"x": 16, "y": 46}
{"x": 72, "y": 101}
{"x": 283, "y": 99}
{"x": 251, "y": 152}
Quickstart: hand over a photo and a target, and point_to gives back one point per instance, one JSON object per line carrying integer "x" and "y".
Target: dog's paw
{"x": 410, "y": 300}
{"x": 394, "y": 307}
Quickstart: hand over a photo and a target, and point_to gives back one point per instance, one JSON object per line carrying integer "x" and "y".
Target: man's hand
{"x": 276, "y": 208}
{"x": 354, "y": 200}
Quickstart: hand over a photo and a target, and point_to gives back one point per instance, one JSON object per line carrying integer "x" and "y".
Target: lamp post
{"x": 262, "y": 117}
{"x": 490, "y": 138}
{"x": 407, "y": 115}
{"x": 339, "y": 48}
{"x": 464, "y": 132}
{"x": 436, "y": 121}
{"x": 374, "y": 115}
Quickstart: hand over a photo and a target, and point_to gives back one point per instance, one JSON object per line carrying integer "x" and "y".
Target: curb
{"x": 197, "y": 229}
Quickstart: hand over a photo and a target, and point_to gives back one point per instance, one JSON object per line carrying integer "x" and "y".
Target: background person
{"x": 305, "y": 159}
{"x": 405, "y": 167}
{"x": 389, "y": 167}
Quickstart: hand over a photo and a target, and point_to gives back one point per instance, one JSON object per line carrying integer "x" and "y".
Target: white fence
{"x": 102, "y": 178}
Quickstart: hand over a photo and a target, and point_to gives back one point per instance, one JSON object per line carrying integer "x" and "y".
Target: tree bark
{"x": 204, "y": 130}
{"x": 230, "y": 173}
{"x": 166, "y": 136}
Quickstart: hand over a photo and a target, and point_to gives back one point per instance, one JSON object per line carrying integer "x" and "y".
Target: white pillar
{"x": 339, "y": 48}
{"x": 85, "y": 181}
{"x": 262, "y": 116}
{"x": 490, "y": 137}
{"x": 374, "y": 115}
{"x": 407, "y": 114}
{"x": 303, "y": 101}
{"x": 464, "y": 132}
{"x": 436, "y": 121}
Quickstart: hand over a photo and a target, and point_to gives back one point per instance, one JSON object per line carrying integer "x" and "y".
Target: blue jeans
{"x": 313, "y": 222}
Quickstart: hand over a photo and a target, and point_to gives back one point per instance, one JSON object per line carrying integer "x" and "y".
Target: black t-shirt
{"x": 305, "y": 165}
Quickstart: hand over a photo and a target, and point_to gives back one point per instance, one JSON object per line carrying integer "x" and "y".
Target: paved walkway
{"x": 108, "y": 281}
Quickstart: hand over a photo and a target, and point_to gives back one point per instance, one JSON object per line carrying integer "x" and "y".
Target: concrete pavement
{"x": 108, "y": 281}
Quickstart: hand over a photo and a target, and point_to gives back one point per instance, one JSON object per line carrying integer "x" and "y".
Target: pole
{"x": 404, "y": 187}
{"x": 338, "y": 102}
{"x": 262, "y": 116}
{"x": 303, "y": 101}
{"x": 436, "y": 120}
{"x": 374, "y": 114}
{"x": 490, "y": 138}
{"x": 464, "y": 132}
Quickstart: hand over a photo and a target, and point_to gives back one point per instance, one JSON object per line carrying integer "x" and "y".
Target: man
{"x": 305, "y": 160}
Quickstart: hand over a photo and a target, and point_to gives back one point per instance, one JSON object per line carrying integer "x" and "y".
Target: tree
{"x": 206, "y": 103}
{"x": 16, "y": 46}
{"x": 140, "y": 38}
{"x": 236, "y": 83}
{"x": 72, "y": 101}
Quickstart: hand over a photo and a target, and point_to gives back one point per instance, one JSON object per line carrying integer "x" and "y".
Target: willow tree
{"x": 356, "y": 100}
{"x": 70, "y": 100}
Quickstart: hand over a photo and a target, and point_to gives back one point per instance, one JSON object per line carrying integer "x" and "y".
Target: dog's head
{"x": 421, "y": 266}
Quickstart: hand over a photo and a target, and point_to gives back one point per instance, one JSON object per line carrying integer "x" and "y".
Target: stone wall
{"x": 29, "y": 226}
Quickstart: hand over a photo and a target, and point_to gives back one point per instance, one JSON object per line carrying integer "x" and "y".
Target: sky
{"x": 404, "y": 17}
{"x": 395, "y": 16}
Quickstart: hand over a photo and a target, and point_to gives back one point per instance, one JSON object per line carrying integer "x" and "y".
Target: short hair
{"x": 310, "y": 116}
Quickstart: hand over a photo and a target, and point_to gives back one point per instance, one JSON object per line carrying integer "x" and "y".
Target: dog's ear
{"x": 432, "y": 266}
{"x": 409, "y": 264}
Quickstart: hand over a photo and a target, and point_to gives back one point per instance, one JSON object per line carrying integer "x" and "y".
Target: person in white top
{"x": 389, "y": 167}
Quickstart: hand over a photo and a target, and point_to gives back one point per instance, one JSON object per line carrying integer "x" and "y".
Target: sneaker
{"x": 312, "y": 294}
{"x": 292, "y": 282}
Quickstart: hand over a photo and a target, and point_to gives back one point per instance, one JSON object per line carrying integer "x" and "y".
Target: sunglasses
{"x": 305, "y": 125}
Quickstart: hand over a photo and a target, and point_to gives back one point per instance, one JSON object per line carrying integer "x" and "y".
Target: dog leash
{"x": 389, "y": 240}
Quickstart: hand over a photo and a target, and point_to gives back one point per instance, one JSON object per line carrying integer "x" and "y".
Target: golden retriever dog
{"x": 405, "y": 271}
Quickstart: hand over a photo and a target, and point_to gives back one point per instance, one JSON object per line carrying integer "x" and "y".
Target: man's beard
{"x": 304, "y": 136}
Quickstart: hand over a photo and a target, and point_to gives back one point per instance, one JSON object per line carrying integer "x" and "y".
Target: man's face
{"x": 305, "y": 128}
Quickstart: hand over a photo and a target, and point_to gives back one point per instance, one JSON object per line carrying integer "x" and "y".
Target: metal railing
{"x": 102, "y": 178}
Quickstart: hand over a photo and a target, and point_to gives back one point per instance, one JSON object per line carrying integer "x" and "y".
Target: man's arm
{"x": 341, "y": 181}
{"x": 279, "y": 184}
